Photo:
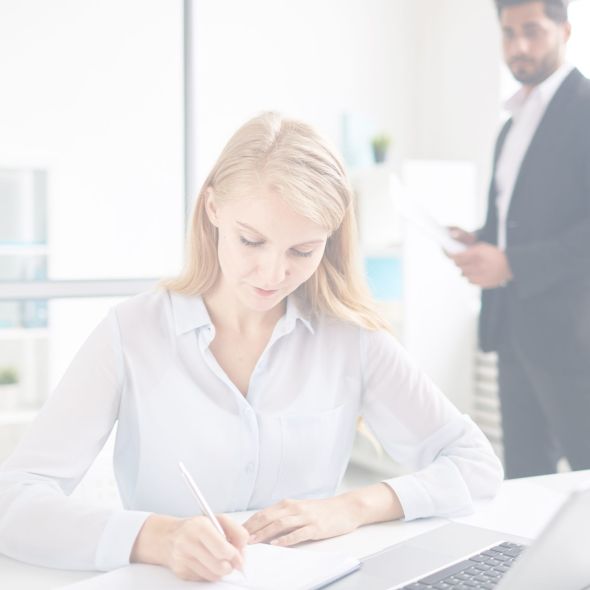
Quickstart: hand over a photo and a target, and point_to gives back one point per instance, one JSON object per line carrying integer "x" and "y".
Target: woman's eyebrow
{"x": 254, "y": 230}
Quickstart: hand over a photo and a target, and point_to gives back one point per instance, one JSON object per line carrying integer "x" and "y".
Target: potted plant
{"x": 380, "y": 144}
{"x": 9, "y": 388}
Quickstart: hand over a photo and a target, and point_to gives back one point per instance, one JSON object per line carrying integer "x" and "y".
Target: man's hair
{"x": 556, "y": 10}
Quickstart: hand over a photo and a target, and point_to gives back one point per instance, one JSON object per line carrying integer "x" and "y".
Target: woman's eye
{"x": 302, "y": 254}
{"x": 249, "y": 242}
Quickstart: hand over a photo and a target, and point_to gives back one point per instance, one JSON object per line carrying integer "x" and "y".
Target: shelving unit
{"x": 23, "y": 249}
{"x": 24, "y": 335}
{"x": 432, "y": 309}
{"x": 18, "y": 417}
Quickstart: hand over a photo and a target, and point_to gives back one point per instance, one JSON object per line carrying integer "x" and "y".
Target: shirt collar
{"x": 295, "y": 312}
{"x": 543, "y": 92}
{"x": 190, "y": 313}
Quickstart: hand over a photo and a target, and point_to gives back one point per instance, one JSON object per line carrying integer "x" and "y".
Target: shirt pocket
{"x": 315, "y": 451}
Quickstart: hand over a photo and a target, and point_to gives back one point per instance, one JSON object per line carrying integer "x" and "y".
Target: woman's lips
{"x": 265, "y": 292}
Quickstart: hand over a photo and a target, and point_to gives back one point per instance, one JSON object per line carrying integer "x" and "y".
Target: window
{"x": 579, "y": 44}
{"x": 91, "y": 177}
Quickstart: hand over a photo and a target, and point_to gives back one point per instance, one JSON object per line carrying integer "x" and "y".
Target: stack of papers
{"x": 267, "y": 568}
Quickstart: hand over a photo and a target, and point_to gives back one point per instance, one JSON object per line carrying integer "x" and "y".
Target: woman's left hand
{"x": 293, "y": 521}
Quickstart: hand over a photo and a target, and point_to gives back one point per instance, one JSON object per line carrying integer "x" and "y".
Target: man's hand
{"x": 465, "y": 237}
{"x": 484, "y": 265}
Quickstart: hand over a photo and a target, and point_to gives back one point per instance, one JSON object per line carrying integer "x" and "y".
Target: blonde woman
{"x": 251, "y": 367}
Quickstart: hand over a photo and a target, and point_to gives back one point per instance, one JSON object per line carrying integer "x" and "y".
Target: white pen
{"x": 205, "y": 508}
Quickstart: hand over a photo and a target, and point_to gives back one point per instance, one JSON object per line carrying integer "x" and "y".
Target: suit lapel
{"x": 547, "y": 130}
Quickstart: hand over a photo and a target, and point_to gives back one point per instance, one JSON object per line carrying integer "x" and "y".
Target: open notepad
{"x": 267, "y": 568}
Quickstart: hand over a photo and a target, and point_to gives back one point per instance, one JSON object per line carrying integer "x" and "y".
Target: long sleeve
{"x": 39, "y": 522}
{"x": 420, "y": 428}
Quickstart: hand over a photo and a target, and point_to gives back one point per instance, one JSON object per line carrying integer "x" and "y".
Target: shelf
{"x": 23, "y": 333}
{"x": 16, "y": 417}
{"x": 24, "y": 249}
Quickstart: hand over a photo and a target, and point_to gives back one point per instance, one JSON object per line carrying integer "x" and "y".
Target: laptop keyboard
{"x": 482, "y": 571}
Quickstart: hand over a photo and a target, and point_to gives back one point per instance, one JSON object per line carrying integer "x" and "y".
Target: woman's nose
{"x": 273, "y": 271}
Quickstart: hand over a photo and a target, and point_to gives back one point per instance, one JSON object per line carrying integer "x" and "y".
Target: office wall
{"x": 426, "y": 71}
{"x": 456, "y": 81}
{"x": 313, "y": 60}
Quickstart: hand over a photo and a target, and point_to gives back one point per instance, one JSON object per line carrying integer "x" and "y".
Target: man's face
{"x": 534, "y": 45}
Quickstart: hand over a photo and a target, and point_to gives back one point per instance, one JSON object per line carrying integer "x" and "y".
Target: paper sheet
{"x": 267, "y": 568}
{"x": 423, "y": 221}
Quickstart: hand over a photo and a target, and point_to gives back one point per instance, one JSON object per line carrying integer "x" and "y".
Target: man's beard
{"x": 538, "y": 74}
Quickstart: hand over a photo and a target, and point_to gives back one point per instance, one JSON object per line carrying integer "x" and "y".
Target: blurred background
{"x": 112, "y": 113}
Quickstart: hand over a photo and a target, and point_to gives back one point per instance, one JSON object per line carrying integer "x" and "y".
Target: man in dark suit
{"x": 532, "y": 257}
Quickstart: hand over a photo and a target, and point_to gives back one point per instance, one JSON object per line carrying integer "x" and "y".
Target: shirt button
{"x": 250, "y": 467}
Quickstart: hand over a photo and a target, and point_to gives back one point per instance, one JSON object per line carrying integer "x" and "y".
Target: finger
{"x": 201, "y": 532}
{"x": 220, "y": 547}
{"x": 238, "y": 536}
{"x": 264, "y": 517}
{"x": 282, "y": 525}
{"x": 462, "y": 258}
{"x": 475, "y": 274}
{"x": 236, "y": 533}
{"x": 213, "y": 564}
{"x": 192, "y": 564}
{"x": 471, "y": 266}
{"x": 202, "y": 571}
{"x": 305, "y": 533}
{"x": 477, "y": 280}
{"x": 460, "y": 235}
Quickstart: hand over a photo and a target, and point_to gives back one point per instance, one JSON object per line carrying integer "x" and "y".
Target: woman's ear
{"x": 211, "y": 207}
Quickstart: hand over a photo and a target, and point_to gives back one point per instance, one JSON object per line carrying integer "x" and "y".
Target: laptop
{"x": 464, "y": 557}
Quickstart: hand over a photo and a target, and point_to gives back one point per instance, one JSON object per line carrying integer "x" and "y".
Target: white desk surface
{"x": 522, "y": 507}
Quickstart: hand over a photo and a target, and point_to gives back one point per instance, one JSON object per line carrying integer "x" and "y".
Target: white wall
{"x": 92, "y": 93}
{"x": 426, "y": 71}
{"x": 309, "y": 59}
{"x": 457, "y": 81}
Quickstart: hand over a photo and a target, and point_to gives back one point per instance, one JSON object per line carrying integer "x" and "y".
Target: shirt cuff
{"x": 118, "y": 537}
{"x": 415, "y": 500}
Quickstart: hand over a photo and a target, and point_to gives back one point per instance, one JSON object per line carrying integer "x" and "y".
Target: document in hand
{"x": 267, "y": 568}
{"x": 423, "y": 221}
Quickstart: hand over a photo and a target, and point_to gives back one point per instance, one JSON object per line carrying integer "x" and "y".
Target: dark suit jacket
{"x": 546, "y": 307}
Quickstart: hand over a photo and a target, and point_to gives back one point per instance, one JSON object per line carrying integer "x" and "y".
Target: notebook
{"x": 267, "y": 568}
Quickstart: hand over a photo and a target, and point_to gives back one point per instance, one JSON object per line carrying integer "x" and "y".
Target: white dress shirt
{"x": 526, "y": 110}
{"x": 148, "y": 368}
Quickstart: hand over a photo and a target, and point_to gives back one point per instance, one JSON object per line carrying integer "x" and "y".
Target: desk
{"x": 522, "y": 507}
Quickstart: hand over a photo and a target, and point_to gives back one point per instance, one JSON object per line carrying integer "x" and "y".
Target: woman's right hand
{"x": 191, "y": 547}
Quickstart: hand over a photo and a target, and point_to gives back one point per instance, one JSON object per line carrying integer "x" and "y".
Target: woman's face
{"x": 266, "y": 250}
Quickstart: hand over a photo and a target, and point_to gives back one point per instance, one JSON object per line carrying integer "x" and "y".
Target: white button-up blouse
{"x": 147, "y": 368}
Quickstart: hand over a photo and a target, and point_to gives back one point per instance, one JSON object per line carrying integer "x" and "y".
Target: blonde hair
{"x": 291, "y": 159}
